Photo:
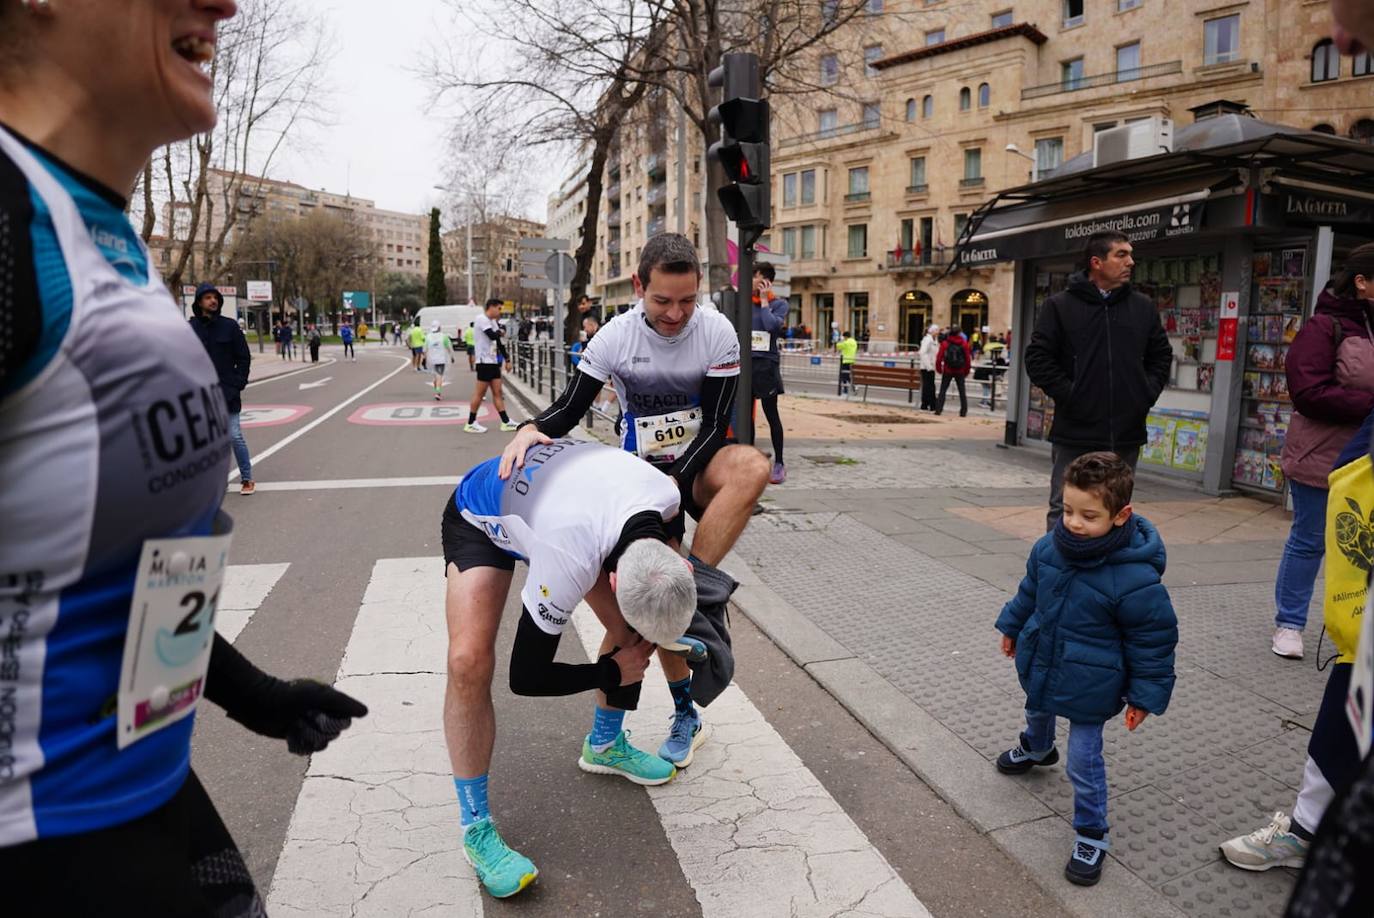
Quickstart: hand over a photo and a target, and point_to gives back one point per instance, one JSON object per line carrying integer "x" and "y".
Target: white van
{"x": 452, "y": 319}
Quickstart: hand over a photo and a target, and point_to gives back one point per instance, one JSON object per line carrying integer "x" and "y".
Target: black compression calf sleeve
{"x": 624, "y": 697}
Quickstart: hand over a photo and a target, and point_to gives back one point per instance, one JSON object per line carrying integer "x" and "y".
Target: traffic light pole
{"x": 744, "y": 326}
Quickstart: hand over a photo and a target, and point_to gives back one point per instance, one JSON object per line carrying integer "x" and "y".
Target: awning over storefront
{"x": 1308, "y": 176}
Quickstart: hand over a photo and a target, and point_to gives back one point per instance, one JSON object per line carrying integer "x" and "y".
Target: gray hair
{"x": 670, "y": 252}
{"x": 655, "y": 590}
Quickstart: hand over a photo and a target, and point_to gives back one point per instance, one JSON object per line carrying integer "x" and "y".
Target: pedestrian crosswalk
{"x": 245, "y": 589}
{"x": 375, "y": 829}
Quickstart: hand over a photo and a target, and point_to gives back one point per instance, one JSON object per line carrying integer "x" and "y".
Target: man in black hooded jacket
{"x": 228, "y": 350}
{"x": 1100, "y": 352}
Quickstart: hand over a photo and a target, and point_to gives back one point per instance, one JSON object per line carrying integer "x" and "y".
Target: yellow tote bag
{"x": 1349, "y": 552}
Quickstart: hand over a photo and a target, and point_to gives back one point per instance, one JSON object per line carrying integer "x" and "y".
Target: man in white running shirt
{"x": 675, "y": 369}
{"x": 487, "y": 337}
{"x": 437, "y": 348}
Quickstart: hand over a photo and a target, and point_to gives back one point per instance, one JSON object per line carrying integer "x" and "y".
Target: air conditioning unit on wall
{"x": 1135, "y": 140}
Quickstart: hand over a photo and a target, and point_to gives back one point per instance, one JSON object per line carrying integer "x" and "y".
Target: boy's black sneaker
{"x": 1085, "y": 864}
{"x": 1016, "y": 761}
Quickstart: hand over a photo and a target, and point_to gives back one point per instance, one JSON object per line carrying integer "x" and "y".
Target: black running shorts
{"x": 467, "y": 546}
{"x": 487, "y": 372}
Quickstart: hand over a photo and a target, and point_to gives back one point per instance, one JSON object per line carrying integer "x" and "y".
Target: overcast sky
{"x": 382, "y": 143}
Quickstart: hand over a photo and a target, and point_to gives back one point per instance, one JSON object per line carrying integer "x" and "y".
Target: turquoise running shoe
{"x": 689, "y": 648}
{"x": 502, "y": 870}
{"x": 685, "y": 735}
{"x": 620, "y": 758}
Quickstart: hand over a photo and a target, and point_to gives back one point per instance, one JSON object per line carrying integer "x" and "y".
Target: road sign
{"x": 359, "y": 300}
{"x": 260, "y": 291}
{"x": 559, "y": 268}
{"x": 545, "y": 245}
{"x": 537, "y": 283}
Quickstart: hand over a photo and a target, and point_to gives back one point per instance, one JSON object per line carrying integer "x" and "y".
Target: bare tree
{"x": 566, "y": 79}
{"x": 267, "y": 73}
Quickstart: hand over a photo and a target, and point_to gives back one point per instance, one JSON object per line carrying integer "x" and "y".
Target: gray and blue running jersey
{"x": 113, "y": 431}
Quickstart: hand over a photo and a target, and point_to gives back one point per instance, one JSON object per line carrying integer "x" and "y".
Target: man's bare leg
{"x": 472, "y": 607}
{"x": 479, "y": 390}
{"x": 498, "y": 401}
{"x": 727, "y": 490}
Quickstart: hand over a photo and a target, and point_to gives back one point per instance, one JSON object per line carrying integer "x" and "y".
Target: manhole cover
{"x": 831, "y": 460}
{"x": 878, "y": 418}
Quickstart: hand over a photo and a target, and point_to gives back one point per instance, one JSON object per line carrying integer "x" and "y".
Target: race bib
{"x": 171, "y": 630}
{"x": 760, "y": 341}
{"x": 662, "y": 438}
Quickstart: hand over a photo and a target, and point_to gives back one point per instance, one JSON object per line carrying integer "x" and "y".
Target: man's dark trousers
{"x": 945, "y": 380}
{"x": 928, "y": 389}
{"x": 1063, "y": 458}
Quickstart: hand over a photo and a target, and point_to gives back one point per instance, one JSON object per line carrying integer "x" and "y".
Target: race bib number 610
{"x": 664, "y": 437}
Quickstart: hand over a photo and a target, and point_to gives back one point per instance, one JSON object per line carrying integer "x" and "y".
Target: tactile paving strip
{"x": 1222, "y": 891}
{"x": 1230, "y": 793}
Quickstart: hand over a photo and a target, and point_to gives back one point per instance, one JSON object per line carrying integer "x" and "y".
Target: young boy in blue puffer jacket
{"x": 1092, "y": 629}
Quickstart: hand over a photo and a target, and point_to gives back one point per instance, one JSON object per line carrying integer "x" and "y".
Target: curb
{"x": 1028, "y": 831}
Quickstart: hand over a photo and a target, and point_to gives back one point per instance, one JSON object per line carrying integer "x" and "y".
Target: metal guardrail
{"x": 1102, "y": 79}
{"x": 926, "y": 259}
{"x": 546, "y": 366}
{"x": 975, "y": 182}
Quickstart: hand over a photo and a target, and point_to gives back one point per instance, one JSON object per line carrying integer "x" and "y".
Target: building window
{"x": 808, "y": 242}
{"x": 1071, "y": 74}
{"x": 984, "y": 95}
{"x": 1073, "y": 13}
{"x": 1363, "y": 131}
{"x": 830, "y": 11}
{"x": 1326, "y": 61}
{"x": 910, "y": 109}
{"x": 858, "y": 240}
{"x": 858, "y": 181}
{"x": 857, "y": 304}
{"x": 872, "y": 114}
{"x": 829, "y": 120}
{"x": 871, "y": 54}
{"x": 927, "y": 238}
{"x": 1362, "y": 64}
{"x": 808, "y": 186}
{"x": 965, "y": 99}
{"x": 960, "y": 221}
{"x": 1124, "y": 5}
{"x": 1049, "y": 155}
{"x": 918, "y": 174}
{"x": 830, "y": 70}
{"x": 935, "y": 37}
{"x": 1001, "y": 20}
{"x": 874, "y": 7}
{"x": 927, "y": 106}
{"x": 1221, "y": 40}
{"x": 1128, "y": 62}
{"x": 789, "y": 190}
{"x": 973, "y": 163}
{"x": 789, "y": 241}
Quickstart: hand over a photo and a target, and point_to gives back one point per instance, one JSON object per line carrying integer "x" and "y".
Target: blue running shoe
{"x": 684, "y": 736}
{"x": 620, "y": 758}
{"x": 689, "y": 648}
{"x": 502, "y": 870}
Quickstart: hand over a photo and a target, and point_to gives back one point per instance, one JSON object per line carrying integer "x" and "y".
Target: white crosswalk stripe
{"x": 245, "y": 589}
{"x": 375, "y": 829}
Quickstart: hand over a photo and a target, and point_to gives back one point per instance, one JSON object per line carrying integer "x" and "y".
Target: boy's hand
{"x": 1135, "y": 716}
{"x": 1008, "y": 647}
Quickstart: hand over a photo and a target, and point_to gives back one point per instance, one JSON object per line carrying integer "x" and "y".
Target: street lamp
{"x": 1035, "y": 163}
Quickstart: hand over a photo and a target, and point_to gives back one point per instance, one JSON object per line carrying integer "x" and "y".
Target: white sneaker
{"x": 1272, "y": 846}
{"x": 474, "y": 428}
{"x": 1288, "y": 643}
{"x": 509, "y": 426}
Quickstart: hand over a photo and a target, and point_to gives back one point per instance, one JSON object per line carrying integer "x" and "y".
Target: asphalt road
{"x": 356, "y": 469}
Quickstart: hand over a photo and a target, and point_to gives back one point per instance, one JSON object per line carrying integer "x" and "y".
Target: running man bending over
{"x": 674, "y": 368}
{"x": 580, "y": 540}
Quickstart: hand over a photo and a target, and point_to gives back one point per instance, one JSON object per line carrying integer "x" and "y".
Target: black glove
{"x": 307, "y": 714}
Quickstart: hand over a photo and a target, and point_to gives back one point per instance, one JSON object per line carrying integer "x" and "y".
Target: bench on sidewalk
{"x": 870, "y": 374}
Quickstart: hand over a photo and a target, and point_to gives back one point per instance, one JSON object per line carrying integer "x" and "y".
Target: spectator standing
{"x": 346, "y": 335}
{"x": 223, "y": 340}
{"x": 288, "y": 334}
{"x": 952, "y": 362}
{"x": 770, "y": 314}
{"x": 930, "y": 349}
{"x": 313, "y": 339}
{"x": 1330, "y": 372}
{"x": 1101, "y": 354}
{"x": 362, "y": 331}
{"x": 848, "y": 348}
{"x": 276, "y": 336}
{"x": 395, "y": 332}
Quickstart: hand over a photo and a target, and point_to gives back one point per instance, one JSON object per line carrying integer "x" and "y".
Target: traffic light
{"x": 743, "y": 146}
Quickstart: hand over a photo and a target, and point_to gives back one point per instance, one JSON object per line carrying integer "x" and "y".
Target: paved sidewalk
{"x": 881, "y": 566}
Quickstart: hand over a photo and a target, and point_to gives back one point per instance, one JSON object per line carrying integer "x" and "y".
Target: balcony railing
{"x": 1074, "y": 84}
{"x": 613, "y": 191}
{"x": 653, "y": 165}
{"x": 613, "y": 218}
{"x": 917, "y": 189}
{"x": 927, "y": 259}
{"x": 613, "y": 247}
{"x": 658, "y": 195}
{"x": 975, "y": 182}
{"x": 655, "y": 226}
{"x": 829, "y": 133}
{"x": 857, "y": 197}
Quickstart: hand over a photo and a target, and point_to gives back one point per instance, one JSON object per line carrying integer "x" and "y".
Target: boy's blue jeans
{"x": 1085, "y": 767}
